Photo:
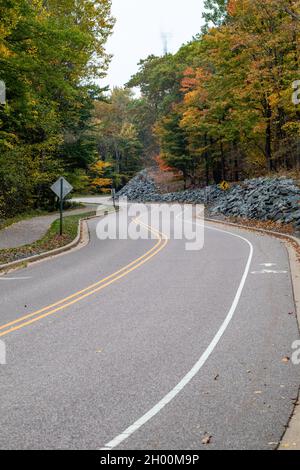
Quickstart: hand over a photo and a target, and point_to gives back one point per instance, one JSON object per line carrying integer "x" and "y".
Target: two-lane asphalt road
{"x": 140, "y": 344}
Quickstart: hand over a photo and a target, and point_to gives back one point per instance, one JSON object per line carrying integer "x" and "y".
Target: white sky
{"x": 138, "y": 30}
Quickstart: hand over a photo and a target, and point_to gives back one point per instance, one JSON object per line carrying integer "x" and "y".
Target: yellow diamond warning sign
{"x": 224, "y": 186}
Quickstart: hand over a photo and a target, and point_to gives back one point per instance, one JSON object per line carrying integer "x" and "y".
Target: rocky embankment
{"x": 265, "y": 199}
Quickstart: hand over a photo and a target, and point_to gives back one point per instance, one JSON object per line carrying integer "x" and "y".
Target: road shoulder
{"x": 291, "y": 438}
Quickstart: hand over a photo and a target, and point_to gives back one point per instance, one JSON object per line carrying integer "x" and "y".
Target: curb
{"x": 291, "y": 437}
{"x": 47, "y": 254}
{"x": 254, "y": 229}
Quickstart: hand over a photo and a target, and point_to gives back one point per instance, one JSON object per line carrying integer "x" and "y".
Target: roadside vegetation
{"x": 51, "y": 54}
{"x": 219, "y": 109}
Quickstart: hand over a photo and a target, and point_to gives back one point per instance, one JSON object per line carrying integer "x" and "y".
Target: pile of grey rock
{"x": 140, "y": 189}
{"x": 275, "y": 199}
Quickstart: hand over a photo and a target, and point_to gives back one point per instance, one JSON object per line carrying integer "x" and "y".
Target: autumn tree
{"x": 215, "y": 13}
{"x": 100, "y": 177}
{"x": 50, "y": 55}
{"x": 233, "y": 101}
{"x": 118, "y": 134}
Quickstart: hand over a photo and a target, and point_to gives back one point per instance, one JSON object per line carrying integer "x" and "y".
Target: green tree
{"x": 118, "y": 137}
{"x": 50, "y": 53}
{"x": 215, "y": 13}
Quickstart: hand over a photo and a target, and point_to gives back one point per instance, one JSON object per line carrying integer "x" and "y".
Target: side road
{"x": 29, "y": 231}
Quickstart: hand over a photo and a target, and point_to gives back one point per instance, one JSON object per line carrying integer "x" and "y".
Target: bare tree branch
{"x": 292, "y": 14}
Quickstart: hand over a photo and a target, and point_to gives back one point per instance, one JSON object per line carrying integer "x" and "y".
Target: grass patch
{"x": 50, "y": 241}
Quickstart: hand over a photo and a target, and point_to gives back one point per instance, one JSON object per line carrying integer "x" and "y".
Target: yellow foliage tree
{"x": 99, "y": 178}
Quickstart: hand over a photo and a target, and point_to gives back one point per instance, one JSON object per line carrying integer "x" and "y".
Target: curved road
{"x": 144, "y": 345}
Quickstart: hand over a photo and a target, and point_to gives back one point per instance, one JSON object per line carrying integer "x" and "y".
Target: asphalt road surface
{"x": 141, "y": 344}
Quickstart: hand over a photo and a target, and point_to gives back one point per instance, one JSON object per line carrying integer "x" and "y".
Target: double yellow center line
{"x": 62, "y": 304}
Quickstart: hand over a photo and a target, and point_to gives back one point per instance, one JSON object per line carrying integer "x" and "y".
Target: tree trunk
{"x": 223, "y": 162}
{"x": 206, "y": 157}
{"x": 268, "y": 148}
{"x": 117, "y": 153}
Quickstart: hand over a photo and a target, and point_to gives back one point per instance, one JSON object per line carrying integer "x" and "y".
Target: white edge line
{"x": 14, "y": 278}
{"x": 198, "y": 366}
{"x": 268, "y": 271}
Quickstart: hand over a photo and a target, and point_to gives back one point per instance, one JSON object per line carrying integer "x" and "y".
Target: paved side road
{"x": 107, "y": 357}
{"x": 28, "y": 231}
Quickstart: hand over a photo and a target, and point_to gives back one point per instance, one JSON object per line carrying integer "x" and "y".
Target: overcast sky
{"x": 140, "y": 24}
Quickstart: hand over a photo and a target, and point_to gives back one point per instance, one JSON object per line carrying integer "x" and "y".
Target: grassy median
{"x": 50, "y": 241}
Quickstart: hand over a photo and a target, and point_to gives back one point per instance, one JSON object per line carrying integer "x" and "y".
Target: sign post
{"x": 61, "y": 188}
{"x": 61, "y": 207}
{"x": 113, "y": 194}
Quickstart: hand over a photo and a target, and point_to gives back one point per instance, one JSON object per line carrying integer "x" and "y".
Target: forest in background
{"x": 219, "y": 109}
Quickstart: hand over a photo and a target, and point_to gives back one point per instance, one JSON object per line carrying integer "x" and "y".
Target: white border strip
{"x": 198, "y": 366}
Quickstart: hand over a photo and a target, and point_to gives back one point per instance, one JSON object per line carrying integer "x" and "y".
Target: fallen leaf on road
{"x": 206, "y": 440}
